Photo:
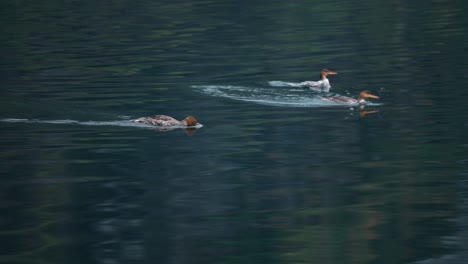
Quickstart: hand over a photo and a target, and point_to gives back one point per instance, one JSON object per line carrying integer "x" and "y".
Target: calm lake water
{"x": 274, "y": 175}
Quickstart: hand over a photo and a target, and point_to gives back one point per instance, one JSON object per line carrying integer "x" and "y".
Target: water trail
{"x": 280, "y": 83}
{"x": 303, "y": 85}
{"x": 120, "y": 123}
{"x": 288, "y": 97}
{"x": 267, "y": 96}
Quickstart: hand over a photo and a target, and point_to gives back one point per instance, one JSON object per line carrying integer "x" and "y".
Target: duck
{"x": 348, "y": 100}
{"x": 322, "y": 85}
{"x": 166, "y": 121}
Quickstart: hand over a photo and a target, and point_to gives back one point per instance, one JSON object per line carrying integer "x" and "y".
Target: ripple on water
{"x": 287, "y": 97}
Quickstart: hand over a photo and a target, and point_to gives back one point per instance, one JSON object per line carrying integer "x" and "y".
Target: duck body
{"x": 319, "y": 86}
{"x": 342, "y": 99}
{"x": 166, "y": 121}
{"x": 322, "y": 85}
{"x": 348, "y": 100}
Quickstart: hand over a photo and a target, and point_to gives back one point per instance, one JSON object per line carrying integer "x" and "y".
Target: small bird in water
{"x": 166, "y": 121}
{"x": 348, "y": 100}
{"x": 322, "y": 85}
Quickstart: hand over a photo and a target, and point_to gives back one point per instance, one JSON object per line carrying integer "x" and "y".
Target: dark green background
{"x": 258, "y": 183}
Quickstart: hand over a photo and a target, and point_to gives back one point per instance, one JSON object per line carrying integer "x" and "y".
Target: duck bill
{"x": 332, "y": 73}
{"x": 372, "y": 96}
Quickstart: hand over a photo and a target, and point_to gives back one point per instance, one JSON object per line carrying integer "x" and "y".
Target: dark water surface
{"x": 273, "y": 176}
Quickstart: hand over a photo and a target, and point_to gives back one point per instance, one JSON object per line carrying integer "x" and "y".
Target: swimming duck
{"x": 166, "y": 121}
{"x": 322, "y": 85}
{"x": 348, "y": 100}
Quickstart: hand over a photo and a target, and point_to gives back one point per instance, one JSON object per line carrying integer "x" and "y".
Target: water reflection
{"x": 116, "y": 223}
{"x": 189, "y": 131}
{"x": 364, "y": 113}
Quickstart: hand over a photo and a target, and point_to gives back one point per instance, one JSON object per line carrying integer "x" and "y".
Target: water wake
{"x": 120, "y": 123}
{"x": 303, "y": 85}
{"x": 288, "y": 96}
{"x": 282, "y": 84}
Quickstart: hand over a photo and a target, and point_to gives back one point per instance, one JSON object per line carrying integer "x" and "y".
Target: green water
{"x": 258, "y": 183}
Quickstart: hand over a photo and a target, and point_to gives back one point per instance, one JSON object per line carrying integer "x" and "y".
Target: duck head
{"x": 366, "y": 94}
{"x": 190, "y": 121}
{"x": 324, "y": 73}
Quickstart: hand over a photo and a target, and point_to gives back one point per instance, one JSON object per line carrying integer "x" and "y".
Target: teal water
{"x": 273, "y": 176}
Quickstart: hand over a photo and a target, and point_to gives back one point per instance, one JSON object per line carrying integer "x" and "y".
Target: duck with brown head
{"x": 322, "y": 85}
{"x": 348, "y": 100}
{"x": 166, "y": 121}
{"x": 324, "y": 73}
{"x": 190, "y": 121}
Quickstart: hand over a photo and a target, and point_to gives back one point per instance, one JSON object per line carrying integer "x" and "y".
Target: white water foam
{"x": 280, "y": 83}
{"x": 290, "y": 97}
